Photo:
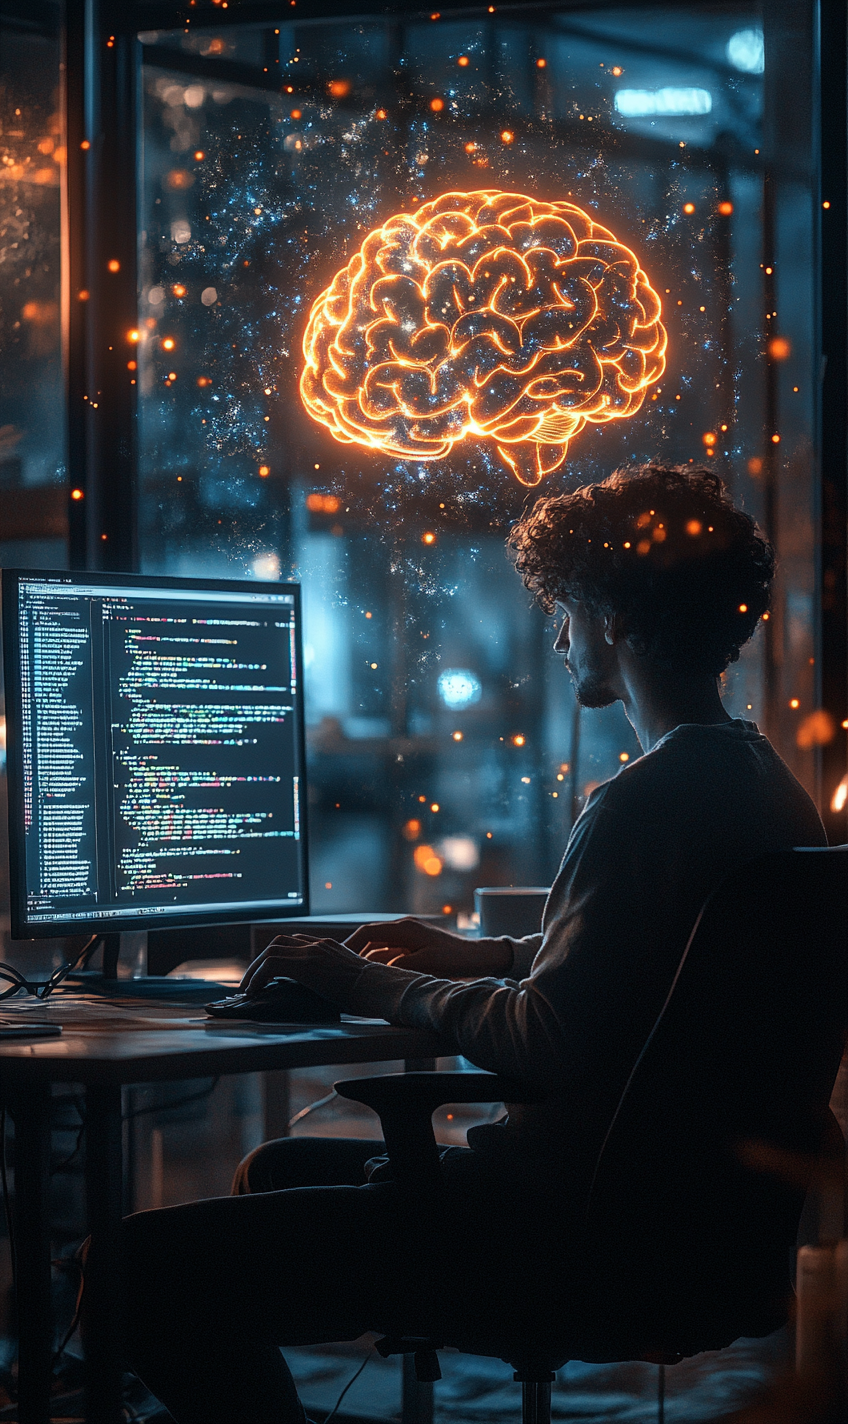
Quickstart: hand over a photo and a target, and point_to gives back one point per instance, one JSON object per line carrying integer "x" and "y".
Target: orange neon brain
{"x": 483, "y": 316}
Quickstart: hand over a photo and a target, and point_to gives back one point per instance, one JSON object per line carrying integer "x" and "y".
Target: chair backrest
{"x": 701, "y": 1180}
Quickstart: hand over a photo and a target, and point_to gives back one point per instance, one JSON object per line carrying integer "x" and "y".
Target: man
{"x": 659, "y": 581}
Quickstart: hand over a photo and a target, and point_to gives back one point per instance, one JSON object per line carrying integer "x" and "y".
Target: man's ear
{"x": 612, "y": 630}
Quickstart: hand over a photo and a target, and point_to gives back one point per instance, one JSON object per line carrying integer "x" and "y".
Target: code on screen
{"x": 159, "y": 751}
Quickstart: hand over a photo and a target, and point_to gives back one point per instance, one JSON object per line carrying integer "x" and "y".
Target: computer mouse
{"x": 281, "y": 1001}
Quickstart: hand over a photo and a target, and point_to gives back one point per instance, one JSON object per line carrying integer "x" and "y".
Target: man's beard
{"x": 591, "y": 688}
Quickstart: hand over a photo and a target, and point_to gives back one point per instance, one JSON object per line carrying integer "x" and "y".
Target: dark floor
{"x": 706, "y": 1388}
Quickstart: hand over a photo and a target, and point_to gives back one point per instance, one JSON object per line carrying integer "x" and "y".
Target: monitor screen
{"x": 155, "y": 751}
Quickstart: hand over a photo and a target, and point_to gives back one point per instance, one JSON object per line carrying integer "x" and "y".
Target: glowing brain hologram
{"x": 484, "y": 316}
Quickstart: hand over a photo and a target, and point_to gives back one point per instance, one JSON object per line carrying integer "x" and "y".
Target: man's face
{"x": 589, "y": 656}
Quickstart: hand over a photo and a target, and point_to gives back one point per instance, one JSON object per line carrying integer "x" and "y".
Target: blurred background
{"x": 245, "y": 158}
{"x": 445, "y": 747}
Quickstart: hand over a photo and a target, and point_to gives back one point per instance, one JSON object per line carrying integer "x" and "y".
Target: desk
{"x": 104, "y": 1061}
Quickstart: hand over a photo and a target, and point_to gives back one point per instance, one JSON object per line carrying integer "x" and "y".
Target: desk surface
{"x": 143, "y": 1042}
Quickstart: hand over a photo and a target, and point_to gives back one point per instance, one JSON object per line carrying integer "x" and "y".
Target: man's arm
{"x": 426, "y": 949}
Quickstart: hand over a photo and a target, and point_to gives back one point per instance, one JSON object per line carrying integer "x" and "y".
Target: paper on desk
{"x": 103, "y": 1015}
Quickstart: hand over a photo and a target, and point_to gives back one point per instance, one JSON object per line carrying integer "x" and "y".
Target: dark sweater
{"x": 649, "y": 847}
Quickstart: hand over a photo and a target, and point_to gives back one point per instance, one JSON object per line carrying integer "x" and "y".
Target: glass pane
{"x": 32, "y": 421}
{"x": 32, "y": 416}
{"x": 446, "y": 750}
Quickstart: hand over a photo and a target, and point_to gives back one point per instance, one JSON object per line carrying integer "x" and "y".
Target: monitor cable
{"x": 43, "y": 988}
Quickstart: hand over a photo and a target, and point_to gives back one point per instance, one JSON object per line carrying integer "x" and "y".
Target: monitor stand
{"x": 105, "y": 981}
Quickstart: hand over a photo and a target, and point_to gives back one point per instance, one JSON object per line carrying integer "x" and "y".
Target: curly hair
{"x": 661, "y": 547}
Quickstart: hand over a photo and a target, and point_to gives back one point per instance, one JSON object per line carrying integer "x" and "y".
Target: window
{"x": 32, "y": 417}
{"x": 445, "y": 747}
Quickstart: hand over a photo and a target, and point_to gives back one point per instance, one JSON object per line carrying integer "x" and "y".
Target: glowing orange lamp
{"x": 483, "y": 316}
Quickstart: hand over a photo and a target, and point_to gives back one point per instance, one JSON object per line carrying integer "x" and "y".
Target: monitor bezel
{"x": 21, "y": 927}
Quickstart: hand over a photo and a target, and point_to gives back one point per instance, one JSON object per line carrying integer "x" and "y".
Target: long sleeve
{"x": 534, "y": 1029}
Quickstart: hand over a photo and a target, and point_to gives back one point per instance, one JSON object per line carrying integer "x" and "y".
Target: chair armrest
{"x": 405, "y": 1103}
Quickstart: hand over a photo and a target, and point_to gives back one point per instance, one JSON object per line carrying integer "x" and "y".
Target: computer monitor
{"x": 155, "y": 751}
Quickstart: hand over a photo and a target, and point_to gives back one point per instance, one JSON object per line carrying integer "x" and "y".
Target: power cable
{"x": 304, "y": 1112}
{"x": 350, "y": 1383}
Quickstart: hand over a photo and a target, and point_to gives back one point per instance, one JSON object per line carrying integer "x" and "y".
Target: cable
{"x": 351, "y": 1381}
{"x": 60, "y": 1166}
{"x": 43, "y": 988}
{"x": 304, "y": 1112}
{"x": 75, "y": 1320}
{"x": 7, "y": 1208}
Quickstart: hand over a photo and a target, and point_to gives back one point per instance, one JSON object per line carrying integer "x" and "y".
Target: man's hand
{"x": 318, "y": 963}
{"x": 424, "y": 949}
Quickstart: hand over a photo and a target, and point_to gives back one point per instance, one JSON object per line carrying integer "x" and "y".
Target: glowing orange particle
{"x": 199, "y": 155}
{"x": 755, "y": 465}
{"x": 617, "y": 70}
{"x": 131, "y": 335}
{"x": 339, "y": 88}
{"x": 323, "y": 504}
{"x": 178, "y": 290}
{"x": 381, "y": 114}
{"x": 114, "y": 265}
{"x": 694, "y": 528}
{"x": 794, "y": 703}
{"x": 519, "y": 739}
{"x": 297, "y": 113}
{"x": 264, "y": 471}
{"x": 779, "y": 349}
{"x": 132, "y": 365}
{"x": 507, "y": 136}
{"x": 435, "y": 807}
{"x": 476, "y": 318}
{"x": 688, "y": 207}
{"x": 624, "y": 756}
{"x": 426, "y": 860}
{"x": 85, "y": 144}
{"x": 463, "y": 61}
{"x": 204, "y": 381}
{"x": 775, "y": 440}
{"x": 743, "y": 608}
{"x": 470, "y": 147}
{"x": 816, "y": 730}
{"x": 725, "y": 209}
{"x": 437, "y": 105}
{"x": 77, "y": 494}
{"x": 708, "y": 438}
{"x": 428, "y": 538}
{"x": 169, "y": 343}
{"x": 457, "y": 736}
{"x": 411, "y": 830}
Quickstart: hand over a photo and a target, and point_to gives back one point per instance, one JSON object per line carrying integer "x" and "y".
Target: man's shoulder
{"x": 726, "y": 770}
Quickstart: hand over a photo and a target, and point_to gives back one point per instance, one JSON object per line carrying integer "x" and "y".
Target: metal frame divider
{"x": 831, "y": 204}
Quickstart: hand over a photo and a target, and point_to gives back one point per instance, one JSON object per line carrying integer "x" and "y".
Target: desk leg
{"x": 30, "y": 1109}
{"x": 103, "y": 1296}
{"x": 416, "y": 1405}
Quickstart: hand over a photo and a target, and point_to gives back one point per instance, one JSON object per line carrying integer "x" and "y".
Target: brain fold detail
{"x": 484, "y": 316}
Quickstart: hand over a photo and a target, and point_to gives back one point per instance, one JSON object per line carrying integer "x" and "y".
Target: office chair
{"x": 688, "y": 1231}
